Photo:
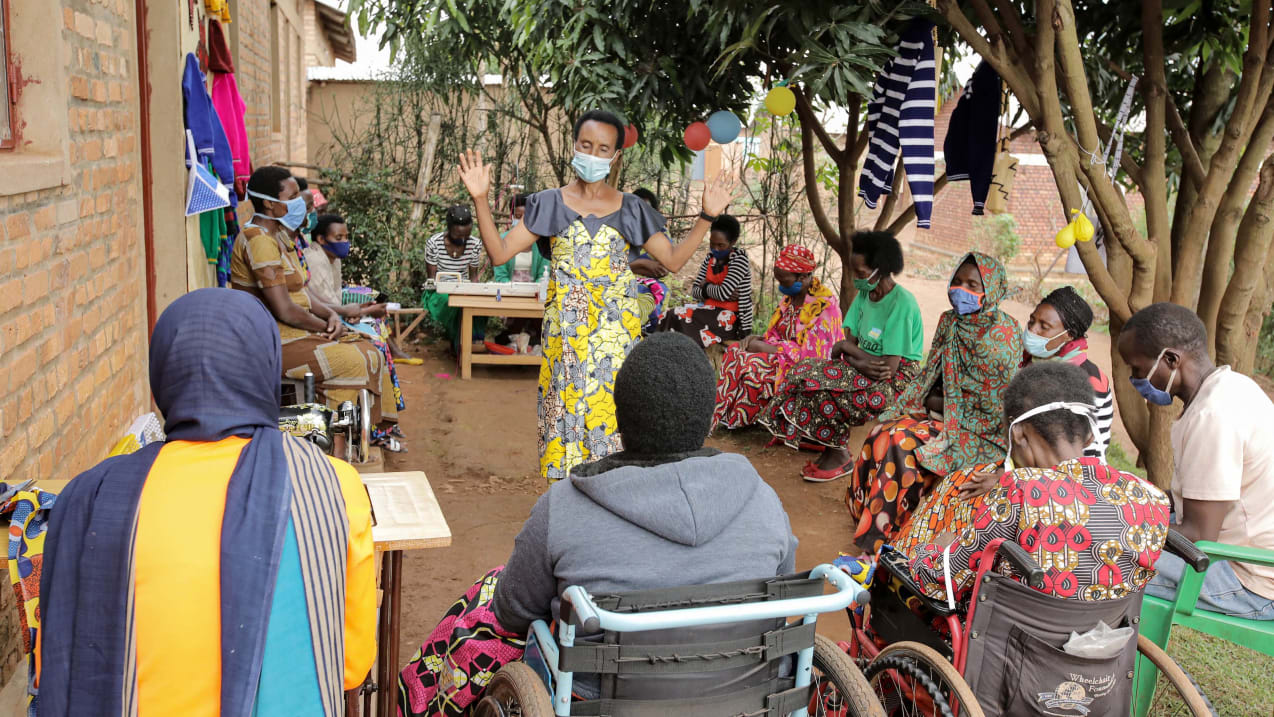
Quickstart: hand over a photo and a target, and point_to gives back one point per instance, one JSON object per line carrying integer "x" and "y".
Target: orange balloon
{"x": 697, "y": 136}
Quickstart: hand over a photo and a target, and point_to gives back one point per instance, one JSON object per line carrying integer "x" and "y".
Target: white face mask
{"x": 1086, "y": 410}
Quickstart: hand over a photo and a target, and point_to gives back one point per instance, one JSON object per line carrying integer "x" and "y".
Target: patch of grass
{"x": 1234, "y": 678}
{"x": 1117, "y": 456}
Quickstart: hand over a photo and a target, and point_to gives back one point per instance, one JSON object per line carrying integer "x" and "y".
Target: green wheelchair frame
{"x": 1159, "y": 615}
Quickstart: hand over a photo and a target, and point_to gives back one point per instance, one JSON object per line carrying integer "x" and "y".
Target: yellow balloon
{"x": 1083, "y": 228}
{"x": 1065, "y": 239}
{"x": 780, "y": 101}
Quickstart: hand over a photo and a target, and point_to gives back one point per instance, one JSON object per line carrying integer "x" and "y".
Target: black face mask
{"x": 457, "y": 241}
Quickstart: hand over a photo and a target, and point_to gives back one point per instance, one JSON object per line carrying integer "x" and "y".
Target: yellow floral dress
{"x": 591, "y": 321}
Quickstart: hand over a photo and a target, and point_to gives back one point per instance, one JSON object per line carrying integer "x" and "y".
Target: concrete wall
{"x": 72, "y": 284}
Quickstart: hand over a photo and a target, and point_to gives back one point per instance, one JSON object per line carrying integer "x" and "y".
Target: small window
{"x": 6, "y": 78}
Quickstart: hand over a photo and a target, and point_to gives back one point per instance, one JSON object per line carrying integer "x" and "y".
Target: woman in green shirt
{"x": 821, "y": 400}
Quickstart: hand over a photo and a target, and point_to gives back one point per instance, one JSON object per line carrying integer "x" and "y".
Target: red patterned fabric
{"x": 1096, "y": 531}
{"x": 887, "y": 483}
{"x": 796, "y": 259}
{"x": 821, "y": 401}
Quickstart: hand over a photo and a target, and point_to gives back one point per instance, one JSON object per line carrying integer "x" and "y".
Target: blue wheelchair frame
{"x": 594, "y": 619}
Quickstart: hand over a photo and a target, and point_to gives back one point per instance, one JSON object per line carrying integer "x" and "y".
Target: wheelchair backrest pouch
{"x": 1016, "y": 664}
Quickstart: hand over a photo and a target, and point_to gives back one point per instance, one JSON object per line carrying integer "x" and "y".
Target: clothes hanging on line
{"x": 970, "y": 146}
{"x": 900, "y": 117}
{"x": 229, "y": 105}
{"x": 211, "y": 146}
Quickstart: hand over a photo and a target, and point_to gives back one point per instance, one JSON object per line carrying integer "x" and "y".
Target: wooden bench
{"x": 514, "y": 307}
{"x": 398, "y": 314}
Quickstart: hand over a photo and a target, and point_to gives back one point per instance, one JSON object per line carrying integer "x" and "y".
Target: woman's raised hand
{"x": 475, "y": 174}
{"x": 718, "y": 194}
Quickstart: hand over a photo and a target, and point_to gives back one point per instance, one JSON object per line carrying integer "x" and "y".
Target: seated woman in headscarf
{"x": 225, "y": 571}
{"x": 264, "y": 263}
{"x": 694, "y": 515}
{"x": 805, "y": 325}
{"x": 820, "y": 402}
{"x": 975, "y": 352}
{"x": 723, "y": 291}
{"x": 1056, "y": 329}
{"x": 1107, "y": 549}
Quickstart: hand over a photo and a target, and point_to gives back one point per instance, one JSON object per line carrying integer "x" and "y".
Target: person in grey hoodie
{"x": 664, "y": 512}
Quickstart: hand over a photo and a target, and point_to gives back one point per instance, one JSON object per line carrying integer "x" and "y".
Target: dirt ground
{"x": 476, "y": 440}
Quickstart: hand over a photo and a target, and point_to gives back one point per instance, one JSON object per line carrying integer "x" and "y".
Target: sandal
{"x": 410, "y": 361}
{"x": 812, "y": 474}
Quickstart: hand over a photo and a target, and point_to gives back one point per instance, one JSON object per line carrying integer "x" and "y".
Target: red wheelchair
{"x": 1000, "y": 653}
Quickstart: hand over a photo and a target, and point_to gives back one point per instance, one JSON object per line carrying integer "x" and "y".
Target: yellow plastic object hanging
{"x": 1083, "y": 228}
{"x": 1065, "y": 239}
{"x": 780, "y": 101}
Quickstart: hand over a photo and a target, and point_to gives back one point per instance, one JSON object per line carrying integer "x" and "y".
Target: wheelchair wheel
{"x": 514, "y": 691}
{"x": 913, "y": 679}
{"x": 1176, "y": 691}
{"x": 840, "y": 690}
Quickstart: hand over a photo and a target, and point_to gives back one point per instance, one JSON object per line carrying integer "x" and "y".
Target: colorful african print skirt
{"x": 705, "y": 324}
{"x": 821, "y": 400}
{"x": 341, "y": 369}
{"x": 451, "y": 669}
{"x": 942, "y": 510}
{"x": 887, "y": 483}
{"x": 747, "y": 383}
{"x": 28, "y": 513}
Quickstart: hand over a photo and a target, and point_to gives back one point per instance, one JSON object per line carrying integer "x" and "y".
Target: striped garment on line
{"x": 900, "y": 115}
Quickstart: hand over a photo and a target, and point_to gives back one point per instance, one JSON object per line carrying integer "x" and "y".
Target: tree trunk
{"x": 1257, "y": 230}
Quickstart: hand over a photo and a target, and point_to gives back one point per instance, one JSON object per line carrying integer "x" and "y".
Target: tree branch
{"x": 811, "y": 188}
{"x": 1257, "y": 230}
{"x": 1154, "y": 186}
{"x": 887, "y": 209}
{"x": 1010, "y": 69}
{"x": 1020, "y": 38}
{"x": 1191, "y": 165}
{"x": 805, "y": 111}
{"x": 909, "y": 214}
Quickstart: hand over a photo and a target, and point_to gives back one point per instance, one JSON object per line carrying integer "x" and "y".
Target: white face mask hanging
{"x": 1086, "y": 410}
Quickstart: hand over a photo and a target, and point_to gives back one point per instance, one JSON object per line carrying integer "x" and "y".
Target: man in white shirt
{"x": 1223, "y": 448}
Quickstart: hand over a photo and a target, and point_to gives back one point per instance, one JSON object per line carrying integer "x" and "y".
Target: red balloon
{"x": 698, "y": 136}
{"x": 630, "y": 136}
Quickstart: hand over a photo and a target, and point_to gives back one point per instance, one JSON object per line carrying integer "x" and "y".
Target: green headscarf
{"x": 975, "y": 356}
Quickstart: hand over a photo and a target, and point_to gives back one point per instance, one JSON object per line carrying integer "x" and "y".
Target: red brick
{"x": 18, "y": 226}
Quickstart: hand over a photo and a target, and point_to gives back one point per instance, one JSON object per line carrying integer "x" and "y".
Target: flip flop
{"x": 410, "y": 361}
{"x": 812, "y": 474}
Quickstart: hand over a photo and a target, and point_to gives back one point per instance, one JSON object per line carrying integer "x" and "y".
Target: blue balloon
{"x": 725, "y": 126}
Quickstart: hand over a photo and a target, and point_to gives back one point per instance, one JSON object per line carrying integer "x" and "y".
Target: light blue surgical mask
{"x": 793, "y": 290}
{"x": 1148, "y": 391}
{"x": 296, "y": 210}
{"x": 591, "y": 169}
{"x": 1037, "y": 345}
{"x": 964, "y": 301}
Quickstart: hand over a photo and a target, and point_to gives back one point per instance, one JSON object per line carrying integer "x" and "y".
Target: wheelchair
{"x": 723, "y": 649}
{"x": 344, "y": 433}
{"x": 1001, "y": 653}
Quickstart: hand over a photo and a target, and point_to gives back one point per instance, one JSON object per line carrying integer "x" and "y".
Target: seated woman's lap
{"x": 887, "y": 483}
{"x": 341, "y": 369}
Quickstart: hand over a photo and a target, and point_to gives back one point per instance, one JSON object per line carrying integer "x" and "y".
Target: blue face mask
{"x": 793, "y": 290}
{"x": 338, "y": 249}
{"x": 1159, "y": 397}
{"x": 867, "y": 284}
{"x": 591, "y": 169}
{"x": 720, "y": 254}
{"x": 964, "y": 301}
{"x": 296, "y": 210}
{"x": 311, "y": 222}
{"x": 1037, "y": 345}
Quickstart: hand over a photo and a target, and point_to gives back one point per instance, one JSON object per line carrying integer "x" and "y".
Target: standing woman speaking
{"x": 591, "y": 315}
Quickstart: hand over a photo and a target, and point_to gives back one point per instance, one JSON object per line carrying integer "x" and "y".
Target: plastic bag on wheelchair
{"x": 1016, "y": 664}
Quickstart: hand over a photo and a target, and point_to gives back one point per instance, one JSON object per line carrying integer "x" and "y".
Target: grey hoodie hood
{"x": 688, "y": 501}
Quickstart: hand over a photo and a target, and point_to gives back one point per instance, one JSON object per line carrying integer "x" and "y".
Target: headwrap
{"x": 975, "y": 356}
{"x": 796, "y": 259}
{"x": 88, "y": 664}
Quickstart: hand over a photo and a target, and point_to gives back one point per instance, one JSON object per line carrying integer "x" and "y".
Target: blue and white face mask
{"x": 591, "y": 169}
{"x": 1148, "y": 391}
{"x": 296, "y": 210}
{"x": 1037, "y": 345}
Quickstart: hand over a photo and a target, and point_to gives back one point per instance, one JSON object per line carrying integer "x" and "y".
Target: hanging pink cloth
{"x": 229, "y": 104}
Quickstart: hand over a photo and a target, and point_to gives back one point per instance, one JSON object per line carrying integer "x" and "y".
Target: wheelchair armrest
{"x": 575, "y": 600}
{"x": 1022, "y": 563}
{"x": 1180, "y": 546}
{"x": 1243, "y": 554}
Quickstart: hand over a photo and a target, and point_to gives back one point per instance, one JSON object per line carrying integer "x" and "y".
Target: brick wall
{"x": 253, "y": 73}
{"x": 72, "y": 285}
{"x": 1033, "y": 201}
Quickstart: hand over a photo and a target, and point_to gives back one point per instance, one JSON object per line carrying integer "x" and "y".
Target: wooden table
{"x": 407, "y": 311}
{"x": 407, "y": 518}
{"x": 514, "y": 307}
